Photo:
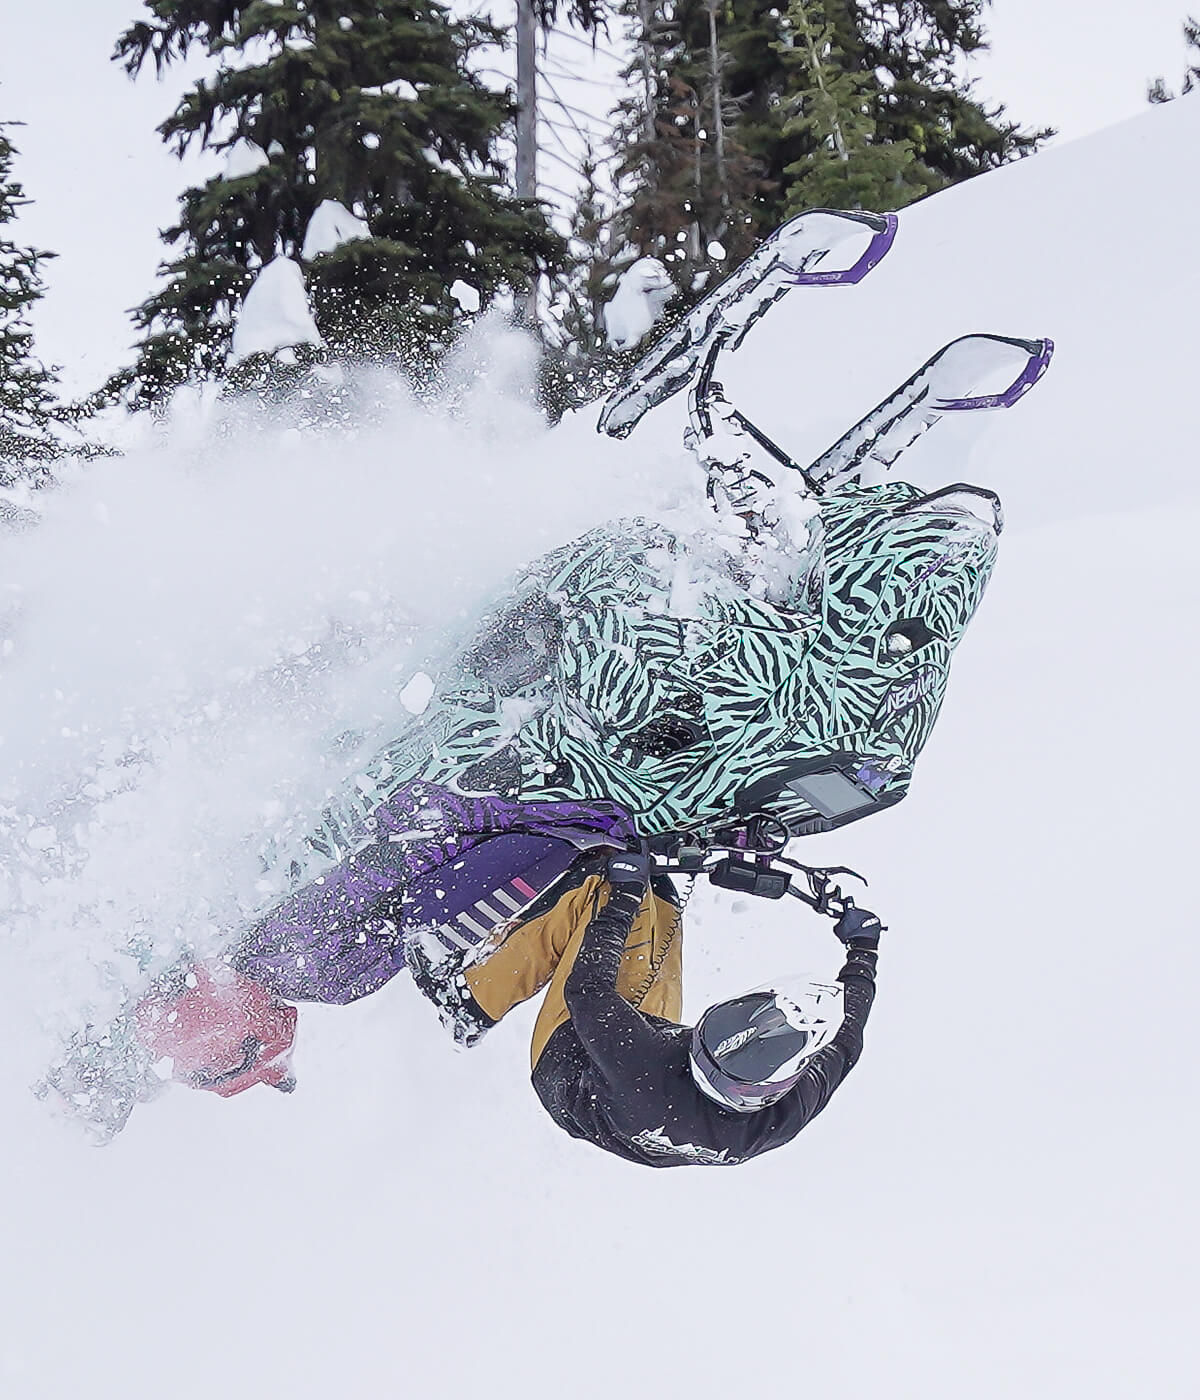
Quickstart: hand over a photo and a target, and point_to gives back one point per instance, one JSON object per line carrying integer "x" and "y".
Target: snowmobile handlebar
{"x": 747, "y": 860}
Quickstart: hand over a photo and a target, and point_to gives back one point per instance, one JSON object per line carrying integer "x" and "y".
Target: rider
{"x": 611, "y": 1062}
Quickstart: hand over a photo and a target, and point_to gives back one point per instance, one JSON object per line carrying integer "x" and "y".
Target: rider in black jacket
{"x": 628, "y": 1082}
{"x": 612, "y": 1064}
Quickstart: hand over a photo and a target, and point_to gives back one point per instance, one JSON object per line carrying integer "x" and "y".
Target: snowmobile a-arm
{"x": 708, "y": 392}
{"x": 800, "y": 253}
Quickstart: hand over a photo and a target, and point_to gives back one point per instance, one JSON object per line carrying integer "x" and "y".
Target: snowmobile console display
{"x": 840, "y": 788}
{"x": 833, "y": 794}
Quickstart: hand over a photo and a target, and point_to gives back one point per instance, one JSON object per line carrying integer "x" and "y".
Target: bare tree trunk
{"x": 697, "y": 177}
{"x": 717, "y": 103}
{"x": 649, "y": 88}
{"x": 526, "y": 101}
{"x": 526, "y": 171}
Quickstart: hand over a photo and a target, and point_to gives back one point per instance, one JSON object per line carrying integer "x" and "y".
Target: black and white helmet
{"x": 748, "y": 1052}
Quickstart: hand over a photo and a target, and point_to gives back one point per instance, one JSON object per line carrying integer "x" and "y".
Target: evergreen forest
{"x": 390, "y": 170}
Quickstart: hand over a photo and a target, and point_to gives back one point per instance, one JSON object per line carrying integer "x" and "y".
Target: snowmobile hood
{"x": 836, "y": 735}
{"x": 618, "y": 665}
{"x": 906, "y": 572}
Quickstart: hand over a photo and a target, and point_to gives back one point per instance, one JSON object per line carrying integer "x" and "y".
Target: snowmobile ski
{"x": 949, "y": 382}
{"x": 799, "y": 253}
{"x": 946, "y": 383}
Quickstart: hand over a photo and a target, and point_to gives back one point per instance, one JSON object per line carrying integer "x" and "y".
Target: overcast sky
{"x": 103, "y": 184}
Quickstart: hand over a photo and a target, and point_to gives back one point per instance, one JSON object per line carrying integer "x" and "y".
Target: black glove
{"x": 629, "y": 871}
{"x": 859, "y": 928}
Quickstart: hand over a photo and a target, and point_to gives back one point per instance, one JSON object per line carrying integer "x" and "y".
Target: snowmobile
{"x": 717, "y": 693}
{"x": 710, "y": 696}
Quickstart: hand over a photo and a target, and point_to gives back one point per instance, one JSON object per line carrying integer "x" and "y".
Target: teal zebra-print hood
{"x": 639, "y": 665}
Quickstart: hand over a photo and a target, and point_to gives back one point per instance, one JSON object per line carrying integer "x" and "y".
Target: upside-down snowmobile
{"x": 717, "y": 695}
{"x": 711, "y": 696}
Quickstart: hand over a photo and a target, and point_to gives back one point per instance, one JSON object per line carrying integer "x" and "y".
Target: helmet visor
{"x": 750, "y": 1051}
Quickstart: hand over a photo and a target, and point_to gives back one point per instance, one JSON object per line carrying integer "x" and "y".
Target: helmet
{"x": 219, "y": 1030}
{"x": 748, "y": 1052}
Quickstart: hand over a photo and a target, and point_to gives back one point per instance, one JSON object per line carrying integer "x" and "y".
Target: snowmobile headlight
{"x": 905, "y": 637}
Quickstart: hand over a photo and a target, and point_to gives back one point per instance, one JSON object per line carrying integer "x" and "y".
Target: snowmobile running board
{"x": 795, "y": 255}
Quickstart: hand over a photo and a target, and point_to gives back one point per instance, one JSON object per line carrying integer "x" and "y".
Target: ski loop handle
{"x": 797, "y": 254}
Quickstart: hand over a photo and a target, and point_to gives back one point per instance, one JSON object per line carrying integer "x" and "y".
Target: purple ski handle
{"x": 874, "y": 254}
{"x": 1037, "y": 365}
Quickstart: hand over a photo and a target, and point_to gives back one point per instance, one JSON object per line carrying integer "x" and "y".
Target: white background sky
{"x": 103, "y": 184}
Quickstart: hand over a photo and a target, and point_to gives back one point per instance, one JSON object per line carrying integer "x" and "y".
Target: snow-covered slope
{"x": 999, "y": 1201}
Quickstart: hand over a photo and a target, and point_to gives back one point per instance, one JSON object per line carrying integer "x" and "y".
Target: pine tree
{"x": 914, "y": 49}
{"x": 1158, "y": 91}
{"x": 579, "y": 292}
{"x": 369, "y": 103}
{"x": 844, "y": 167}
{"x": 578, "y": 365}
{"x": 27, "y": 400}
{"x": 691, "y": 189}
{"x": 655, "y": 138}
{"x": 730, "y": 178}
{"x": 893, "y": 95}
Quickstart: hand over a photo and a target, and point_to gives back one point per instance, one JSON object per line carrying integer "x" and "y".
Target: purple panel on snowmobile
{"x": 453, "y": 823}
{"x": 1036, "y": 366}
{"x": 466, "y": 899}
{"x": 847, "y": 277}
{"x": 341, "y": 936}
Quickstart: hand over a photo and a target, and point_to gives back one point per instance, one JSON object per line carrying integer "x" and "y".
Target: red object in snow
{"x": 222, "y": 1031}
